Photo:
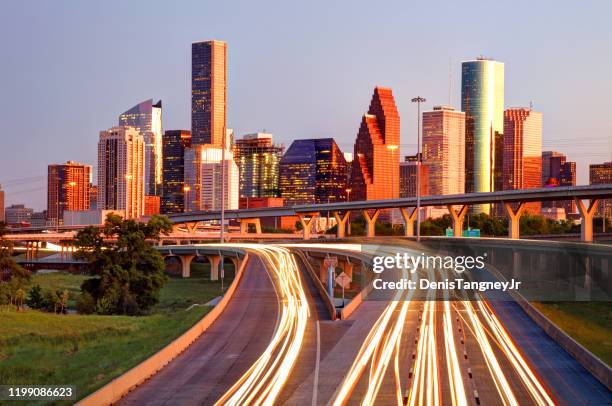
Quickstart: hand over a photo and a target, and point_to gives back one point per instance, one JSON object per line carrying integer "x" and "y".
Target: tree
{"x": 127, "y": 274}
{"x": 13, "y": 276}
{"x": 35, "y": 298}
{"x": 64, "y": 300}
{"x": 19, "y": 298}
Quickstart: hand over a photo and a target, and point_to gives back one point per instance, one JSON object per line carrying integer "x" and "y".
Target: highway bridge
{"x": 277, "y": 342}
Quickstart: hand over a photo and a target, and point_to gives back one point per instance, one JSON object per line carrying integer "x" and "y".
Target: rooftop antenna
{"x": 530, "y": 105}
{"x": 450, "y": 81}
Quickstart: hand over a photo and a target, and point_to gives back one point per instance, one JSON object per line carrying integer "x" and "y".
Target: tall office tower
{"x": 93, "y": 197}
{"x": 444, "y": 150}
{"x": 602, "y": 174}
{"x": 121, "y": 158}
{"x": 408, "y": 177}
{"x": 204, "y": 165}
{"x": 17, "y": 214}
{"x": 313, "y": 171}
{"x": 375, "y": 171}
{"x": 173, "y": 190}
{"x": 2, "y": 218}
{"x": 482, "y": 100}
{"x": 522, "y": 152}
{"x": 68, "y": 189}
{"x": 557, "y": 171}
{"x": 258, "y": 161}
{"x": 146, "y": 117}
{"x": 208, "y": 92}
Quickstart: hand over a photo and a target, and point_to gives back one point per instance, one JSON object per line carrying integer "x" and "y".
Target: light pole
{"x": 348, "y": 191}
{"x": 393, "y": 148}
{"x": 418, "y": 100}
{"x": 186, "y": 190}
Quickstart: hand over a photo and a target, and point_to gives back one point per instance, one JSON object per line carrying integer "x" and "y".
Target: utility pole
{"x": 418, "y": 100}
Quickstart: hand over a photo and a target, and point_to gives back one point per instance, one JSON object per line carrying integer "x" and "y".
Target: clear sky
{"x": 297, "y": 69}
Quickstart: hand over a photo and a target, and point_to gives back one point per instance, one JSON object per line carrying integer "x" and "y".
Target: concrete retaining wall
{"x": 331, "y": 309}
{"x": 113, "y": 391}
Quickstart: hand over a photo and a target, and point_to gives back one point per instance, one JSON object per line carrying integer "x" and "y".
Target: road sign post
{"x": 343, "y": 280}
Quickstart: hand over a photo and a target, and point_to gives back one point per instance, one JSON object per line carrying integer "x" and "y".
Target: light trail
{"x": 263, "y": 381}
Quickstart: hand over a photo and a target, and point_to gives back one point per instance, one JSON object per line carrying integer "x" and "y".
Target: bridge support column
{"x": 341, "y": 221}
{"x": 586, "y": 218}
{"x": 186, "y": 264}
{"x": 214, "y": 260}
{"x": 371, "y": 222}
{"x": 409, "y": 217}
{"x": 244, "y": 225}
{"x": 514, "y": 219}
{"x": 307, "y": 223}
{"x": 192, "y": 227}
{"x": 323, "y": 272}
{"x": 457, "y": 217}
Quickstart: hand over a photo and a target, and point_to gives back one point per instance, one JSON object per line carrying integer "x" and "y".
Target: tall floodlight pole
{"x": 418, "y": 100}
{"x": 393, "y": 148}
{"x": 223, "y": 146}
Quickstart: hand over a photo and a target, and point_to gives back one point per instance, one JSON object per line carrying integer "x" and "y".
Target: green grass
{"x": 589, "y": 323}
{"x": 60, "y": 281}
{"x": 88, "y": 351}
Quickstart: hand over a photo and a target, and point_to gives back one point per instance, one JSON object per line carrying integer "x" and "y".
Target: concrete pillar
{"x": 586, "y": 218}
{"x": 323, "y": 272}
{"x": 409, "y": 216}
{"x": 371, "y": 222}
{"x": 237, "y": 262}
{"x": 341, "y": 221}
{"x": 457, "y": 217}
{"x": 244, "y": 225}
{"x": 307, "y": 219}
{"x": 186, "y": 264}
{"x": 214, "y": 260}
{"x": 192, "y": 227}
{"x": 514, "y": 219}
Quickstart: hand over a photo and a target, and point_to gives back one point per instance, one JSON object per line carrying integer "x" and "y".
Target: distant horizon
{"x": 293, "y": 71}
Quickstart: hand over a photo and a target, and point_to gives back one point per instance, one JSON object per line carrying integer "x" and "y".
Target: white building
{"x": 121, "y": 160}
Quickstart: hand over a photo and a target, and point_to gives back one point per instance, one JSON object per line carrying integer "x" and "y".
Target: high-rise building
{"x": 482, "y": 100}
{"x": 258, "y": 161}
{"x": 146, "y": 117}
{"x": 313, "y": 171}
{"x": 18, "y": 214}
{"x": 208, "y": 92}
{"x": 408, "y": 177}
{"x": 173, "y": 196}
{"x": 522, "y": 152}
{"x": 121, "y": 171}
{"x": 204, "y": 166}
{"x": 444, "y": 150}
{"x": 375, "y": 170}
{"x": 68, "y": 189}
{"x": 2, "y": 218}
{"x": 602, "y": 174}
{"x": 93, "y": 197}
{"x": 557, "y": 171}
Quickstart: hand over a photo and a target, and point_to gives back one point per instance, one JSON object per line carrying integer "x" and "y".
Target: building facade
{"x": 558, "y": 171}
{"x": 204, "y": 168}
{"x": 522, "y": 152}
{"x": 602, "y": 174}
{"x": 18, "y": 214}
{"x": 146, "y": 117}
{"x": 482, "y": 100}
{"x": 175, "y": 142}
{"x": 375, "y": 167}
{"x": 408, "y": 177}
{"x": 258, "y": 161}
{"x": 313, "y": 171}
{"x": 68, "y": 188}
{"x": 208, "y": 92}
{"x": 444, "y": 150}
{"x": 2, "y": 217}
{"x": 121, "y": 159}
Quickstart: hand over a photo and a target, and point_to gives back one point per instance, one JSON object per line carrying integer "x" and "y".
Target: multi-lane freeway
{"x": 275, "y": 344}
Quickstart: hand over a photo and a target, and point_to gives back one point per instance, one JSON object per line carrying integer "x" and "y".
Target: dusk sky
{"x": 296, "y": 69}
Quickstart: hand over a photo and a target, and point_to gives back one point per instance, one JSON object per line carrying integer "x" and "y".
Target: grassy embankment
{"x": 589, "y": 323}
{"x": 88, "y": 351}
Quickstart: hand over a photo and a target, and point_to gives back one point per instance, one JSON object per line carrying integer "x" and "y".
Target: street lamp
{"x": 393, "y": 148}
{"x": 186, "y": 190}
{"x": 348, "y": 191}
{"x": 418, "y": 100}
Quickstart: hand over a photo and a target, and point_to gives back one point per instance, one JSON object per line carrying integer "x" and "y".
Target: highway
{"x": 275, "y": 344}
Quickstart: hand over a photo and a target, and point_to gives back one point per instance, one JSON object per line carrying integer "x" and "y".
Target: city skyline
{"x": 287, "y": 112}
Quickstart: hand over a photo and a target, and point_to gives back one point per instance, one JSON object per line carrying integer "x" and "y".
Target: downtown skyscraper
{"x": 146, "y": 117}
{"x": 375, "y": 171}
{"x": 175, "y": 142}
{"x": 258, "y": 160}
{"x": 482, "y": 100}
{"x": 68, "y": 189}
{"x": 602, "y": 174}
{"x": 444, "y": 150}
{"x": 558, "y": 171}
{"x": 208, "y": 92}
{"x": 121, "y": 158}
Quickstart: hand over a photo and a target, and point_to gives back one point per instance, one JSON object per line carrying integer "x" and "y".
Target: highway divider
{"x": 318, "y": 284}
{"x": 116, "y": 389}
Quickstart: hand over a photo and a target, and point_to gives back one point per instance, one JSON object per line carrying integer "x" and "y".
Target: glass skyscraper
{"x": 313, "y": 171}
{"x": 146, "y": 117}
{"x": 208, "y": 92}
{"x": 258, "y": 162}
{"x": 173, "y": 194}
{"x": 482, "y": 100}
